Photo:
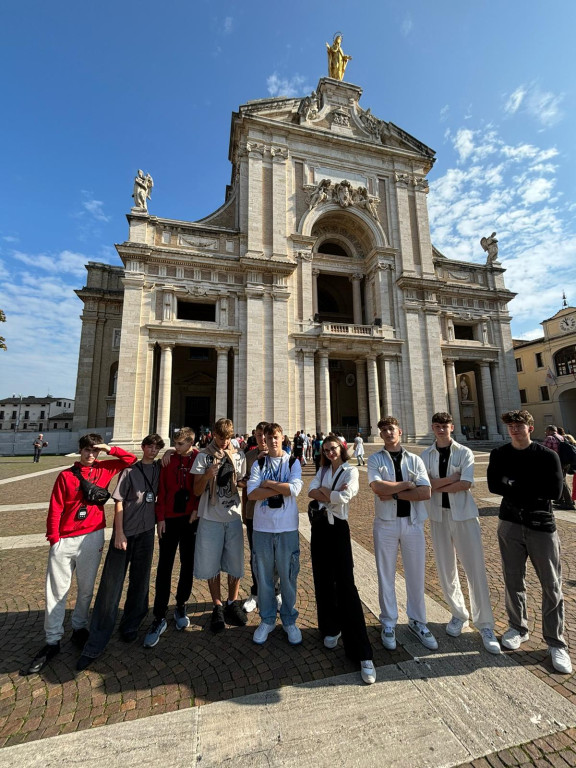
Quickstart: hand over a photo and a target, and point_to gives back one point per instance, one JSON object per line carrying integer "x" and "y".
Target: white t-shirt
{"x": 227, "y": 505}
{"x": 281, "y": 519}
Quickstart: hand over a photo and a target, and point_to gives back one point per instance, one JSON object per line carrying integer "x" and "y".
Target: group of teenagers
{"x": 197, "y": 502}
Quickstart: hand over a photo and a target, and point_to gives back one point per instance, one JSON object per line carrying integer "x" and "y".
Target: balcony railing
{"x": 349, "y": 329}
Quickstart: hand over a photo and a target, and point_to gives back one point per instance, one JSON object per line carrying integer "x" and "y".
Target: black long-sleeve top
{"x": 528, "y": 479}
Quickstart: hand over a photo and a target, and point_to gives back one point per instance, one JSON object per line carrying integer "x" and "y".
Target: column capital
{"x": 323, "y": 354}
{"x": 315, "y": 272}
{"x": 167, "y": 344}
{"x": 356, "y": 276}
{"x": 221, "y": 350}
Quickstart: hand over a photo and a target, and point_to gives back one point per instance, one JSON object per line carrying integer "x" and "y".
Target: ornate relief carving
{"x": 462, "y": 276}
{"x": 199, "y": 241}
{"x": 371, "y": 124}
{"x": 341, "y": 118}
{"x": 402, "y": 178}
{"x": 304, "y": 255}
{"x": 309, "y": 107}
{"x": 342, "y": 193}
{"x": 254, "y": 146}
{"x": 279, "y": 153}
{"x": 421, "y": 184}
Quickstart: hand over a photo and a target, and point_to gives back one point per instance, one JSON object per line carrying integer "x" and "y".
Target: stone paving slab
{"x": 437, "y": 712}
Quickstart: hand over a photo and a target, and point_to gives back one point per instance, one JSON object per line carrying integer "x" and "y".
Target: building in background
{"x": 546, "y": 370}
{"x": 29, "y": 413}
{"x": 312, "y": 297}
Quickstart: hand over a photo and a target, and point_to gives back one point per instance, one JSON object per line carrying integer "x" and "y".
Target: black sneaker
{"x": 129, "y": 637}
{"x": 217, "y": 623}
{"x": 80, "y": 637}
{"x": 84, "y": 662}
{"x": 41, "y": 659}
{"x": 235, "y": 615}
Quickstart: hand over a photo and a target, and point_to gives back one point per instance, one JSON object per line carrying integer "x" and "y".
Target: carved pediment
{"x": 197, "y": 379}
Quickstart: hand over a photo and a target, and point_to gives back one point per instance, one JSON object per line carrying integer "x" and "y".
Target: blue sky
{"x": 93, "y": 91}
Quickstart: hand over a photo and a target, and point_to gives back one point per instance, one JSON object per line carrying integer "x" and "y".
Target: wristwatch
{"x": 395, "y": 496}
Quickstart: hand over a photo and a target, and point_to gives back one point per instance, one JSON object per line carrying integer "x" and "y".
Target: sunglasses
{"x": 332, "y": 450}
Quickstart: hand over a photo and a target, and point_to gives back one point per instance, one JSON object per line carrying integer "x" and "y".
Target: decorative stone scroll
{"x": 199, "y": 242}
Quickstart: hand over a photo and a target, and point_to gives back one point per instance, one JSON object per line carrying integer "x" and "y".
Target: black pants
{"x": 138, "y": 558}
{"x": 337, "y": 601}
{"x": 180, "y": 534}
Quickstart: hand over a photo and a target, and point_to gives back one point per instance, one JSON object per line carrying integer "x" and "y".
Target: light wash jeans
{"x": 280, "y": 552}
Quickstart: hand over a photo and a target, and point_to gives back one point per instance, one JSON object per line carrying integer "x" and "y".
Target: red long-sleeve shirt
{"x": 67, "y": 497}
{"x": 173, "y": 477}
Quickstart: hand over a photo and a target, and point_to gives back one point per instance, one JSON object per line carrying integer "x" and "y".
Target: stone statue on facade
{"x": 337, "y": 60}
{"x": 490, "y": 245}
{"x": 310, "y": 106}
{"x": 320, "y": 194}
{"x": 362, "y": 200}
{"x": 142, "y": 190}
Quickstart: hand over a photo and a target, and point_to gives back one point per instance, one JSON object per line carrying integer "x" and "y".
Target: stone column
{"x": 488, "y": 399}
{"x": 255, "y": 203}
{"x": 357, "y": 298}
{"x": 361, "y": 392}
{"x": 309, "y": 394}
{"x": 496, "y": 388}
{"x": 453, "y": 403}
{"x": 385, "y": 385}
{"x": 165, "y": 391}
{"x": 84, "y": 378}
{"x": 279, "y": 155}
{"x": 315, "y": 273}
{"x": 324, "y": 387}
{"x": 404, "y": 222}
{"x": 147, "y": 393}
{"x": 221, "y": 409}
{"x": 373, "y": 395}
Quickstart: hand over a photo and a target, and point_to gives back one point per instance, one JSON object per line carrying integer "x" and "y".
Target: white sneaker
{"x": 331, "y": 641}
{"x": 423, "y": 634}
{"x": 294, "y": 634}
{"x": 455, "y": 626}
{"x": 251, "y": 604}
{"x": 262, "y": 631}
{"x": 490, "y": 640}
{"x": 278, "y": 601}
{"x": 511, "y": 639}
{"x": 388, "y": 636}
{"x": 368, "y": 672}
{"x": 560, "y": 660}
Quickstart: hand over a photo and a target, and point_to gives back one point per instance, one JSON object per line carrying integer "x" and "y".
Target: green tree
{"x": 2, "y": 339}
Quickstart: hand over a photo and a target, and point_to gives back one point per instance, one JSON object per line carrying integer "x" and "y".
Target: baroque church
{"x": 312, "y": 297}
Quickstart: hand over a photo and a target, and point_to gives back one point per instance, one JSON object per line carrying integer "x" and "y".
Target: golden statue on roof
{"x": 337, "y": 59}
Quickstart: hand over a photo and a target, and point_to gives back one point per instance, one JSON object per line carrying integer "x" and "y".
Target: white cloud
{"x": 538, "y": 190}
{"x": 407, "y": 26}
{"x": 227, "y": 25}
{"x": 514, "y": 100}
{"x": 464, "y": 143}
{"x": 94, "y": 208}
{"x": 543, "y": 106}
{"x": 444, "y": 113}
{"x": 11, "y": 239}
{"x": 63, "y": 263}
{"x": 289, "y": 87}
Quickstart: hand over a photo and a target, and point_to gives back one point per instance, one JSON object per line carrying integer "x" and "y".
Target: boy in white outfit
{"x": 455, "y": 530}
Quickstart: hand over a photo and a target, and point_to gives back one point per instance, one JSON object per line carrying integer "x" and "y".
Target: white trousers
{"x": 388, "y": 536}
{"x": 462, "y": 538}
{"x": 74, "y": 553}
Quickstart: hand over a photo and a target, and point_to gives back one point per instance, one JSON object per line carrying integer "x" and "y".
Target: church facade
{"x": 312, "y": 297}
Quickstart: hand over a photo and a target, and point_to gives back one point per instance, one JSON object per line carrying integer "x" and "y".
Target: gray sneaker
{"x": 157, "y": 628}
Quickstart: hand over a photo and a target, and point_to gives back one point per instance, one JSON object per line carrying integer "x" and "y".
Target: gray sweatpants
{"x": 517, "y": 544}
{"x": 75, "y": 553}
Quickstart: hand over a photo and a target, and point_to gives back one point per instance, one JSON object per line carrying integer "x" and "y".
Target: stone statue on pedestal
{"x": 142, "y": 190}
{"x": 490, "y": 245}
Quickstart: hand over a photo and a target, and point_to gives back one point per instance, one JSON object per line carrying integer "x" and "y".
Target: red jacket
{"x": 173, "y": 477}
{"x": 67, "y": 497}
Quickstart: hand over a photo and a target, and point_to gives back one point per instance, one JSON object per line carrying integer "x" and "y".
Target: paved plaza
{"x": 222, "y": 699}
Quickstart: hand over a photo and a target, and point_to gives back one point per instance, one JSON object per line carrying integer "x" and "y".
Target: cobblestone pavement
{"x": 196, "y": 667}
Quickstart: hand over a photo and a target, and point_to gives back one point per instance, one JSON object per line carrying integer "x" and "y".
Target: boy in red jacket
{"x": 177, "y": 523}
{"x": 75, "y": 530}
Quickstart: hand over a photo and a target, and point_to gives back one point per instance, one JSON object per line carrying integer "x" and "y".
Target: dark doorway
{"x": 197, "y": 413}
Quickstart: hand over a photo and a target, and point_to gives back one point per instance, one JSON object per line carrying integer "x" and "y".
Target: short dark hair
{"x": 261, "y": 425}
{"x": 442, "y": 417}
{"x": 153, "y": 439}
{"x": 271, "y": 428}
{"x": 90, "y": 440}
{"x": 344, "y": 455}
{"x": 387, "y": 420}
{"x": 518, "y": 417}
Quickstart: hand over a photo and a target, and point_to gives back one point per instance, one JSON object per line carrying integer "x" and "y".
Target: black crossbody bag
{"x": 315, "y": 511}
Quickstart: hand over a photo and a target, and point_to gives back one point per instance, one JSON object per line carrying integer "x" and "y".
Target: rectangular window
{"x": 523, "y": 398}
{"x": 55, "y": 426}
{"x": 544, "y": 395}
{"x": 25, "y": 426}
{"x": 519, "y": 367}
{"x": 464, "y": 332}
{"x": 26, "y": 414}
{"x": 191, "y": 310}
{"x": 40, "y": 427}
{"x": 66, "y": 425}
{"x": 14, "y": 416}
{"x": 1, "y": 414}
{"x": 539, "y": 363}
{"x": 116, "y": 338}
{"x": 42, "y": 414}
{"x": 59, "y": 404}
